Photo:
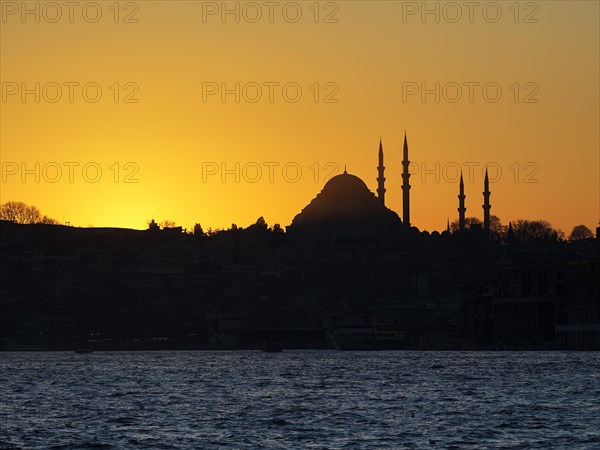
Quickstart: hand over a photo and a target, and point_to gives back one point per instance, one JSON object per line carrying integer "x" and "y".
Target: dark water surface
{"x": 300, "y": 399}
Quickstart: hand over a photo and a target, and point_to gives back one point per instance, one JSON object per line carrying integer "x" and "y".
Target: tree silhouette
{"x": 48, "y": 221}
{"x": 497, "y": 230}
{"x": 19, "y": 212}
{"x": 22, "y": 213}
{"x": 260, "y": 222}
{"x": 213, "y": 232}
{"x": 198, "y": 231}
{"x": 580, "y": 232}
{"x": 469, "y": 222}
{"x": 536, "y": 230}
{"x": 276, "y": 229}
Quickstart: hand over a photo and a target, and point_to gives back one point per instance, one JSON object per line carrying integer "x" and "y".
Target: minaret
{"x": 405, "y": 187}
{"x": 486, "y": 204}
{"x": 381, "y": 178}
{"x": 510, "y": 234}
{"x": 461, "y": 204}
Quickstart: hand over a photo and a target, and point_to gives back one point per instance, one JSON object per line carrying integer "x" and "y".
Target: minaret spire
{"x": 510, "y": 235}
{"x": 405, "y": 186}
{"x": 461, "y": 204}
{"x": 486, "y": 203}
{"x": 380, "y": 177}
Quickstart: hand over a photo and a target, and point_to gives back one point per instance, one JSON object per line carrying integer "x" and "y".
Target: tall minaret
{"x": 405, "y": 187}
{"x": 461, "y": 204}
{"x": 381, "y": 178}
{"x": 486, "y": 204}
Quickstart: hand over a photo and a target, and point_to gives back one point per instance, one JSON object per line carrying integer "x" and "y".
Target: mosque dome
{"x": 344, "y": 198}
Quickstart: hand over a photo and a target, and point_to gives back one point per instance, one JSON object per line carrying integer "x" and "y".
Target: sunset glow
{"x": 188, "y": 112}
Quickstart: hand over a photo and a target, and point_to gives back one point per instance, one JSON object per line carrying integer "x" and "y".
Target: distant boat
{"x": 272, "y": 347}
{"x": 83, "y": 350}
{"x": 368, "y": 337}
{"x": 83, "y": 346}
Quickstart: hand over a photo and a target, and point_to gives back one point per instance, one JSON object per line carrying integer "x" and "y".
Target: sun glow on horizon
{"x": 160, "y": 143}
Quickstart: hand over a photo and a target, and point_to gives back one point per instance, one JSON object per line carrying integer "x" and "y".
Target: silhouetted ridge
{"x": 345, "y": 197}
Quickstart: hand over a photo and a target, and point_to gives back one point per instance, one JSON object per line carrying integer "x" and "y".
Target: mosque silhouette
{"x": 348, "y": 273}
{"x": 346, "y": 214}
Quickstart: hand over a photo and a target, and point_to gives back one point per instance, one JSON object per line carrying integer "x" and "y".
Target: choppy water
{"x": 300, "y": 399}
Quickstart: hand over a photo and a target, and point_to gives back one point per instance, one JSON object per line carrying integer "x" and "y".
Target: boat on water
{"x": 83, "y": 350}
{"x": 369, "y": 337}
{"x": 272, "y": 347}
{"x": 83, "y": 346}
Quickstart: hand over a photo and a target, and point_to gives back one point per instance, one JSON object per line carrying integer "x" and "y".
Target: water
{"x": 300, "y": 399}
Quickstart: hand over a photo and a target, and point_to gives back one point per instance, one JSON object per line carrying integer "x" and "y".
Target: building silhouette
{"x": 345, "y": 220}
{"x": 346, "y": 262}
{"x": 345, "y": 197}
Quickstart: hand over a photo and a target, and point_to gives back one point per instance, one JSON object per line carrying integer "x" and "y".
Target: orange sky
{"x": 162, "y": 136}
